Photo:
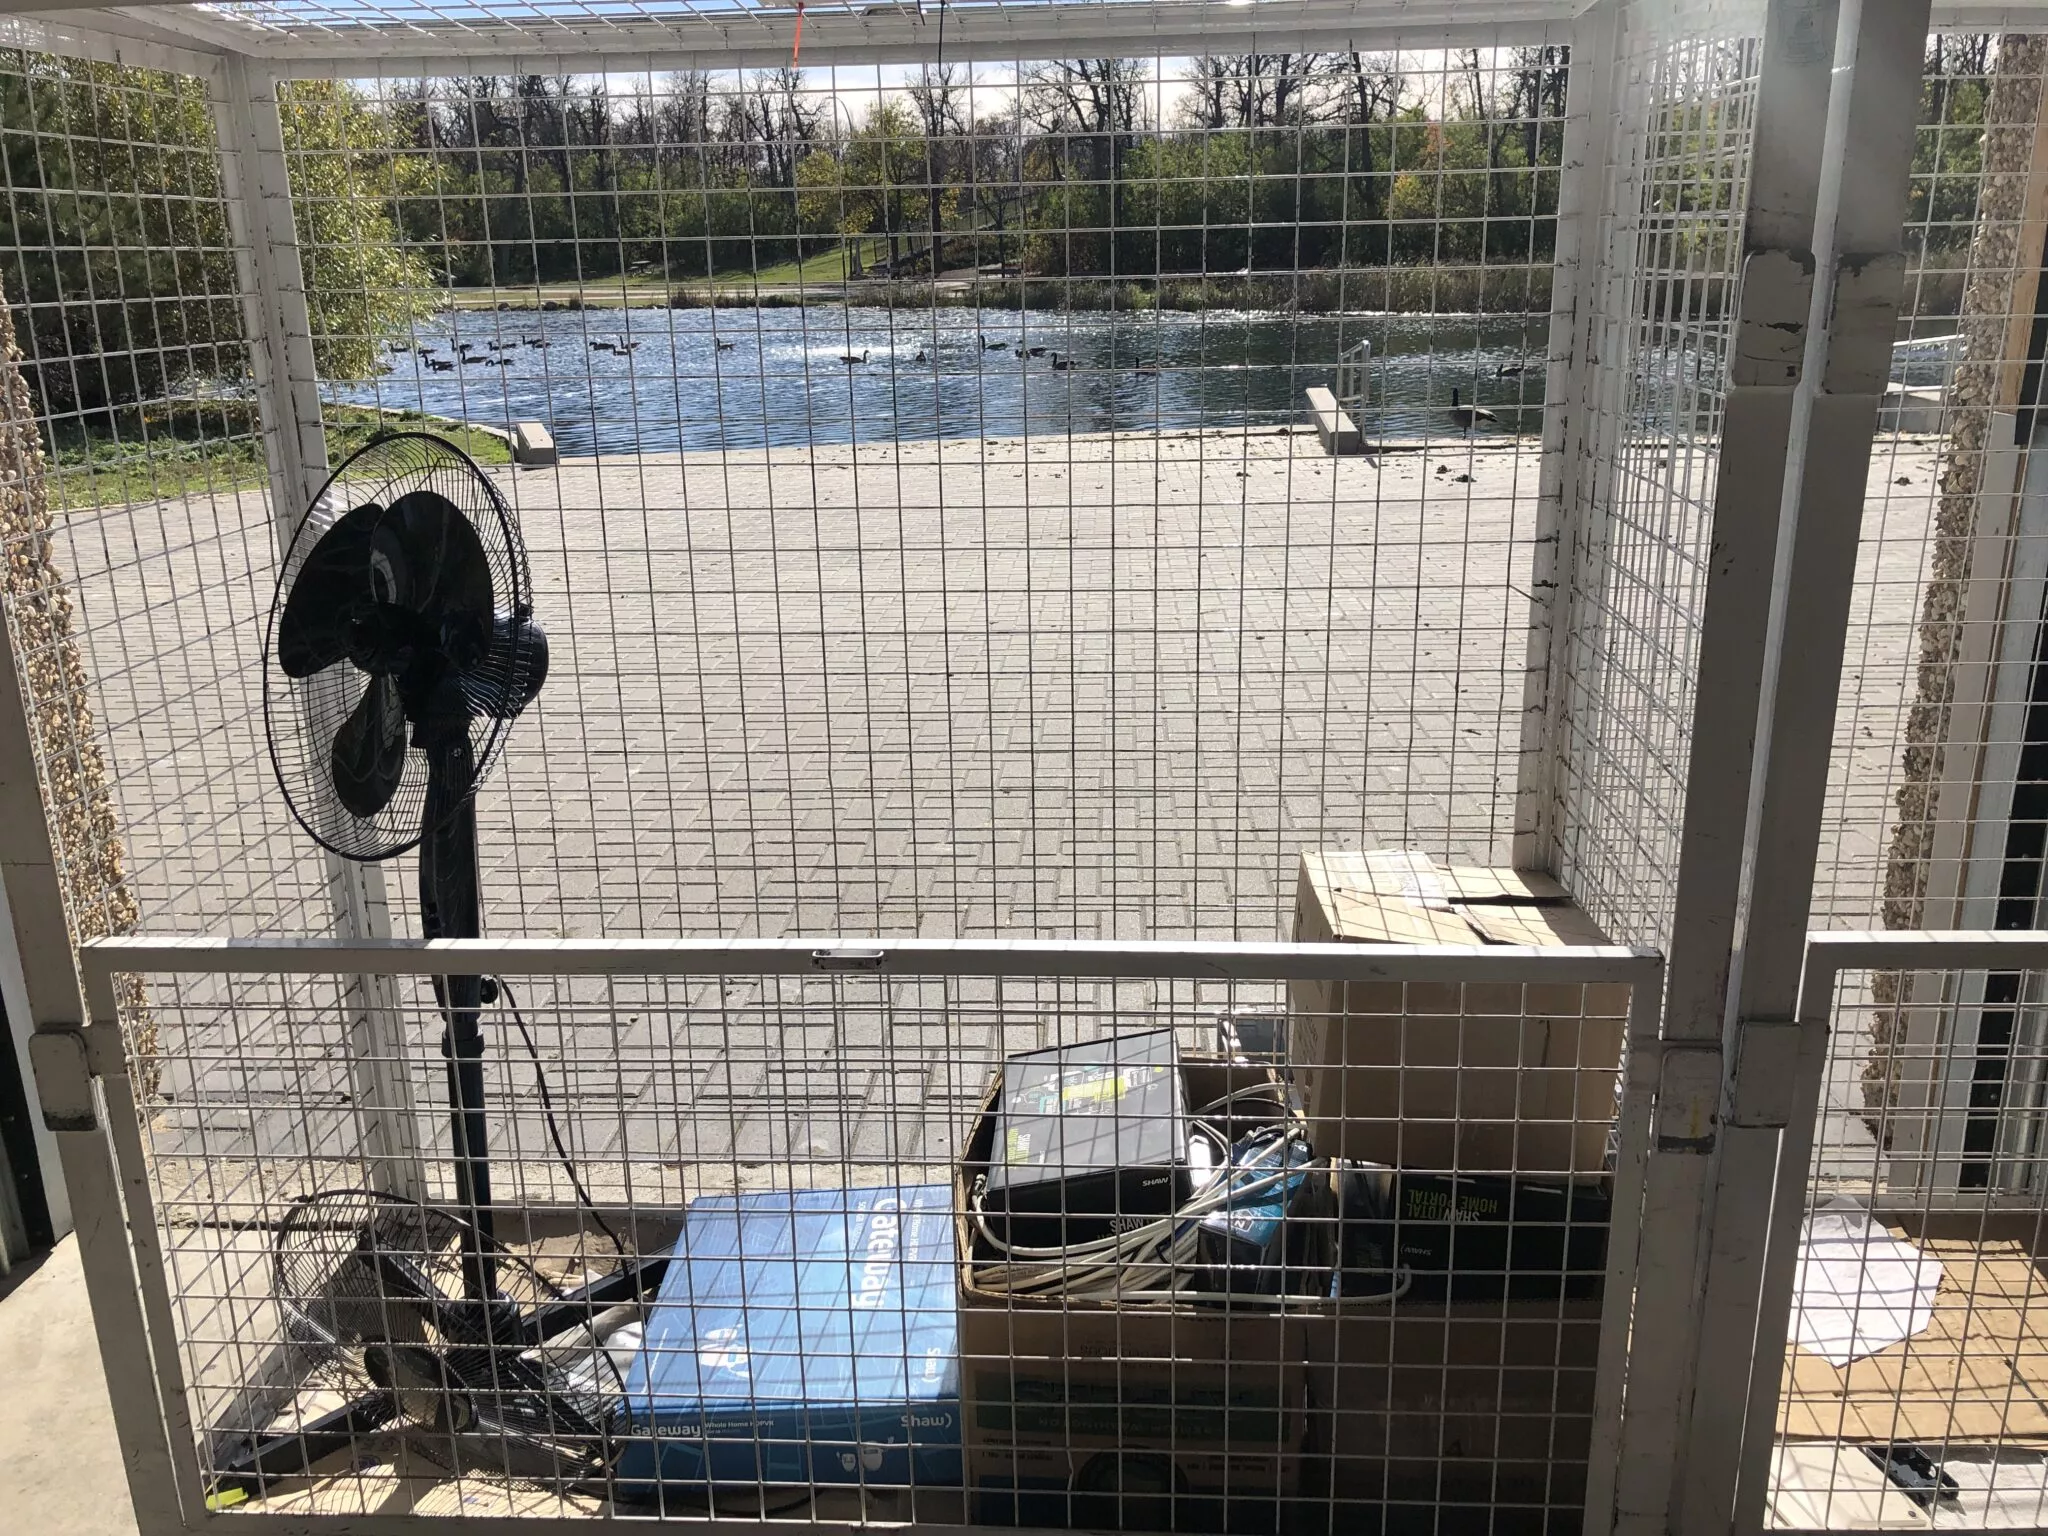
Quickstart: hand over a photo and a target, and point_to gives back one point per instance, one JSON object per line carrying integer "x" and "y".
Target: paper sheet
{"x": 1858, "y": 1289}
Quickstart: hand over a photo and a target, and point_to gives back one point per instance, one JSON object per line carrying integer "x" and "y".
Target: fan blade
{"x": 437, "y": 562}
{"x": 331, "y": 587}
{"x": 368, "y": 759}
{"x": 509, "y": 676}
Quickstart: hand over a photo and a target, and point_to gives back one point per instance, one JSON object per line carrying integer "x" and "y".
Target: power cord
{"x": 1149, "y": 1260}
{"x": 547, "y": 1104}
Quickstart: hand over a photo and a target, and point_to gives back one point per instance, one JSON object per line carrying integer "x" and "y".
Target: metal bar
{"x": 1857, "y": 234}
{"x": 256, "y": 184}
{"x": 763, "y": 38}
{"x": 42, "y": 938}
{"x": 1638, "y": 1103}
{"x": 142, "y": 955}
{"x": 1568, "y": 417}
{"x": 1787, "y": 1212}
{"x": 1911, "y": 949}
{"x": 275, "y": 1456}
{"x": 110, "y": 39}
{"x": 1764, "y": 369}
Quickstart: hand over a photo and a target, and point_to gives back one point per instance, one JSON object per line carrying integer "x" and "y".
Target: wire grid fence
{"x": 131, "y": 617}
{"x": 1946, "y": 560}
{"x": 1331, "y": 1364}
{"x": 1675, "y": 182}
{"x": 1915, "y": 1335}
{"x": 1045, "y": 614}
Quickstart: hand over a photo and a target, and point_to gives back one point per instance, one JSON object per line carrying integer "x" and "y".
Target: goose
{"x": 1035, "y": 351}
{"x": 920, "y": 356}
{"x": 851, "y": 361}
{"x": 537, "y": 341}
{"x": 438, "y": 366}
{"x": 465, "y": 347}
{"x": 1469, "y": 416}
{"x": 725, "y": 346}
{"x": 623, "y": 346}
{"x": 504, "y": 362}
{"x": 1061, "y": 364}
{"x": 1148, "y": 373}
{"x": 497, "y": 346}
{"x": 1510, "y": 370}
{"x": 602, "y": 346}
{"x": 424, "y": 351}
{"x": 993, "y": 346}
{"x": 479, "y": 358}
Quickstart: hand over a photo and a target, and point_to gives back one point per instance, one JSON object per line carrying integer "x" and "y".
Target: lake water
{"x": 748, "y": 378}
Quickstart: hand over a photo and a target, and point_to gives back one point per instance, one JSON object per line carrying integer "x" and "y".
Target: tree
{"x": 126, "y": 268}
{"x": 938, "y": 95}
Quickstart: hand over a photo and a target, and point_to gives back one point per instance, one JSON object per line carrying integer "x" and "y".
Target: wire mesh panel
{"x": 1911, "y": 1360}
{"x": 1946, "y": 562}
{"x": 1074, "y": 1236}
{"x": 133, "y": 630}
{"x": 1675, "y": 180}
{"x": 941, "y": 540}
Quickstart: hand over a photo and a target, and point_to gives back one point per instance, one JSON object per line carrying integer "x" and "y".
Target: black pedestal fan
{"x": 402, "y": 646}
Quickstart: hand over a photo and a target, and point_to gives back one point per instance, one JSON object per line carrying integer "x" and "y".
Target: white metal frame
{"x": 83, "y": 1082}
{"x": 1742, "y": 898}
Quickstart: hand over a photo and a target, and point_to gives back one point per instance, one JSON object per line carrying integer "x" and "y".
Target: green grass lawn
{"x": 182, "y": 450}
{"x": 824, "y": 267}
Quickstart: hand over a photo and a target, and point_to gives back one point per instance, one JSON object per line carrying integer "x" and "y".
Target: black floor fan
{"x": 402, "y": 646}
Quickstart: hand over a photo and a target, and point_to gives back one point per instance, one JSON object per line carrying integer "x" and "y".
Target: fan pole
{"x": 449, "y": 910}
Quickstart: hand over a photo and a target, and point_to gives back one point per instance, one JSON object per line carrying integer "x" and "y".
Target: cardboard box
{"x": 800, "y": 1337}
{"x": 1478, "y": 1077}
{"x": 1482, "y": 1404}
{"x": 1144, "y": 1415}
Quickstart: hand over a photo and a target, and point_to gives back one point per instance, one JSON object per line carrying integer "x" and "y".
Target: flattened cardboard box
{"x": 1977, "y": 1374}
{"x": 1458, "y": 1401}
{"x": 1477, "y": 1077}
{"x": 1067, "y": 1400}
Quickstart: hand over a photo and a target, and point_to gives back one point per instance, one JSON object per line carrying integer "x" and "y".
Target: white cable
{"x": 1129, "y": 1264}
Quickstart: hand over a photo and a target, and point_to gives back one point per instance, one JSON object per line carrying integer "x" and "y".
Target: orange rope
{"x": 796, "y": 48}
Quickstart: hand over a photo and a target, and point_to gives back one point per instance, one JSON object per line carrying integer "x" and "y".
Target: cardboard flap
{"x": 1365, "y": 918}
{"x": 1544, "y": 926}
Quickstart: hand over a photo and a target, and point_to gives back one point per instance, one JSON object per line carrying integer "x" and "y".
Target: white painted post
{"x": 65, "y": 1102}
{"x": 1773, "y": 311}
{"x": 1568, "y": 417}
{"x": 1856, "y": 230}
{"x": 256, "y": 183}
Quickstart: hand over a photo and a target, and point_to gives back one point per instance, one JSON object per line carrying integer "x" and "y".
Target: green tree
{"x": 126, "y": 272}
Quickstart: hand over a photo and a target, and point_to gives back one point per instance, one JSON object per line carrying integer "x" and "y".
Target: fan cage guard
{"x": 301, "y": 715}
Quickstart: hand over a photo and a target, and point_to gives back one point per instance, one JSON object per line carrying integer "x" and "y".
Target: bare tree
{"x": 995, "y": 176}
{"x": 938, "y": 95}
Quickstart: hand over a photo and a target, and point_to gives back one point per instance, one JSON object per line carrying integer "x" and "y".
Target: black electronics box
{"x": 1089, "y": 1140}
{"x": 1467, "y": 1237}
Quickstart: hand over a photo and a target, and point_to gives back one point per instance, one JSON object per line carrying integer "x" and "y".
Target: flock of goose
{"x": 1466, "y": 417}
{"x": 469, "y": 354}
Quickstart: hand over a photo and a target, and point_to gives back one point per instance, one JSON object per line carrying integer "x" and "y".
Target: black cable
{"x": 547, "y": 1104}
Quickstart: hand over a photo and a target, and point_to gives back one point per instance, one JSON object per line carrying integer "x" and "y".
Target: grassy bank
{"x": 821, "y": 280}
{"x": 157, "y": 452}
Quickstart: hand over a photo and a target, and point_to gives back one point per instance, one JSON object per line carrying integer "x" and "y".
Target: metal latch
{"x": 848, "y": 959}
{"x": 1688, "y": 1097}
{"x": 63, "y": 1068}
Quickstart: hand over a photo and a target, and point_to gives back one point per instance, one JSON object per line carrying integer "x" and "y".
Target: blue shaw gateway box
{"x": 802, "y": 1337}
